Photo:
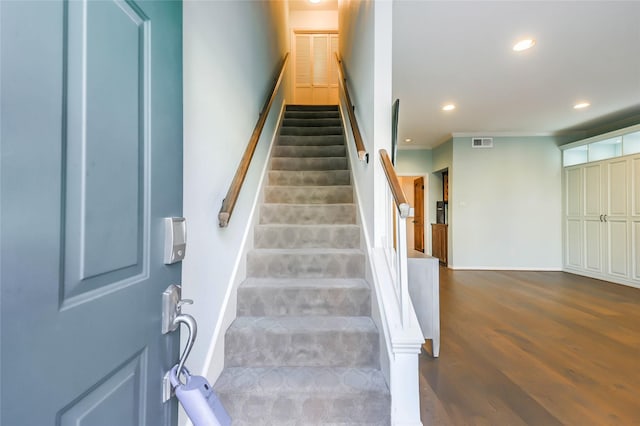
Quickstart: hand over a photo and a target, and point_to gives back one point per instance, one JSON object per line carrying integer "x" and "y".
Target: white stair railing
{"x": 395, "y": 236}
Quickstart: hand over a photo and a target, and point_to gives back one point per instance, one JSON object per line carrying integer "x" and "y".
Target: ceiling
{"x": 461, "y": 52}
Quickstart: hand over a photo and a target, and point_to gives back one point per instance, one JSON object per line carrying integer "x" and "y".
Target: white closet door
{"x": 316, "y": 80}
{"x": 573, "y": 214}
{"x": 321, "y": 69}
{"x": 617, "y": 221}
{"x": 303, "y": 72}
{"x": 593, "y": 210}
{"x": 634, "y": 218}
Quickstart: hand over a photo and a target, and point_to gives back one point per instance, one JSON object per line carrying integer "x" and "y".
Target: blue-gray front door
{"x": 90, "y": 163}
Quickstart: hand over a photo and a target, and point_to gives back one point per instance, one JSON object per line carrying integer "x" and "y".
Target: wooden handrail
{"x": 229, "y": 201}
{"x": 362, "y": 152}
{"x": 394, "y": 184}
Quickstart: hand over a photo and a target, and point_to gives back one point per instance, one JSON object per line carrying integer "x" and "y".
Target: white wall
{"x": 313, "y": 20}
{"x": 356, "y": 23}
{"x": 366, "y": 50}
{"x": 506, "y": 204}
{"x": 231, "y": 51}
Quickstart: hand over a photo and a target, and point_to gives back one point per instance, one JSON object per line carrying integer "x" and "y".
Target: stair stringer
{"x": 399, "y": 346}
{"x": 214, "y": 362}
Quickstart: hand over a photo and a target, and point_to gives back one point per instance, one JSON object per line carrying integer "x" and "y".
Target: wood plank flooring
{"x": 533, "y": 348}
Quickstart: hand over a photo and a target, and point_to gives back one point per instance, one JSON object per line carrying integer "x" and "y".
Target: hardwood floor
{"x": 533, "y": 348}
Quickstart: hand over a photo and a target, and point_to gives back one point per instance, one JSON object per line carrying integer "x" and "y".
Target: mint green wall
{"x": 414, "y": 161}
{"x": 505, "y": 204}
{"x": 443, "y": 157}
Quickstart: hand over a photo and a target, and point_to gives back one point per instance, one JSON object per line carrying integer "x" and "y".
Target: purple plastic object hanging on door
{"x": 199, "y": 401}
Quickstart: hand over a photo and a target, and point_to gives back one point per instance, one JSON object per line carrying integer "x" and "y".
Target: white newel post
{"x": 405, "y": 383}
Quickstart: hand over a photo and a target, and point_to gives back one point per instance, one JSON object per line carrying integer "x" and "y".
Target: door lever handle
{"x": 192, "y": 326}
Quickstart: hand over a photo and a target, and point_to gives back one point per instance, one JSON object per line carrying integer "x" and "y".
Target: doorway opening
{"x": 414, "y": 187}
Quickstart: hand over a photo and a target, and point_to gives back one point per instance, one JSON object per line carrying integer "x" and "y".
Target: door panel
{"x": 618, "y": 245}
{"x": 593, "y": 190}
{"x": 91, "y": 102}
{"x": 635, "y": 186}
{"x": 303, "y": 75}
{"x": 105, "y": 176}
{"x": 574, "y": 192}
{"x": 418, "y": 201}
{"x": 617, "y": 188}
{"x": 574, "y": 243}
{"x": 635, "y": 249}
{"x": 593, "y": 245}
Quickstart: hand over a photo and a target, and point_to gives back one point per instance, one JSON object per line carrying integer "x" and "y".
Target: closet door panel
{"x": 573, "y": 254}
{"x": 617, "y": 188}
{"x": 593, "y": 190}
{"x": 593, "y": 245}
{"x": 618, "y": 248}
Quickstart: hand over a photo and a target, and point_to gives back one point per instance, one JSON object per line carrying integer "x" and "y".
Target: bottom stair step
{"x": 304, "y": 395}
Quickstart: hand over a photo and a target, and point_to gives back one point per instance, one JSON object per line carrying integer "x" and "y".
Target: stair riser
{"x": 347, "y": 348}
{"x": 288, "y": 410}
{"x": 310, "y": 164}
{"x": 311, "y": 122}
{"x": 308, "y": 214}
{"x": 303, "y": 265}
{"x": 311, "y": 114}
{"x": 292, "y": 140}
{"x": 308, "y": 195}
{"x": 310, "y": 151}
{"x": 260, "y": 301}
{"x": 311, "y": 131}
{"x": 317, "y": 178}
{"x": 310, "y": 236}
{"x": 307, "y": 108}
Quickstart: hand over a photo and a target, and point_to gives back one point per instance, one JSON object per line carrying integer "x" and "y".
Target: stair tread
{"x": 301, "y": 380}
{"x": 293, "y": 283}
{"x": 299, "y": 251}
{"x": 303, "y": 323}
{"x": 308, "y": 226}
{"x": 301, "y": 187}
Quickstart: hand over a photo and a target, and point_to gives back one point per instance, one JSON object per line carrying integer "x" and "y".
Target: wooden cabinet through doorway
{"x": 439, "y": 242}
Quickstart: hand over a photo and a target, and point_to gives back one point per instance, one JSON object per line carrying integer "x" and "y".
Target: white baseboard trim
{"x": 505, "y": 268}
{"x": 214, "y": 361}
{"x": 602, "y": 277}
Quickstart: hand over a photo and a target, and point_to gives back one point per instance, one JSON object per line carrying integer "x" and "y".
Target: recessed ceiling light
{"x": 314, "y": 1}
{"x": 408, "y": 140}
{"x": 524, "y": 44}
{"x": 449, "y": 107}
{"x": 581, "y": 105}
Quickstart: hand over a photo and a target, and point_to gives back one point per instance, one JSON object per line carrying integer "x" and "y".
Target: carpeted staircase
{"x": 303, "y": 349}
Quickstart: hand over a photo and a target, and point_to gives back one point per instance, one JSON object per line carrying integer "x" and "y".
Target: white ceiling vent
{"x": 482, "y": 142}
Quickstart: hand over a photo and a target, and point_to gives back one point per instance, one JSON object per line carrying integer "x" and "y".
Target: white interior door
{"x": 593, "y": 210}
{"x": 617, "y": 220}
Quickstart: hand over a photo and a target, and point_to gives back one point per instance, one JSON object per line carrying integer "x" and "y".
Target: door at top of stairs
{"x": 316, "y": 70}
